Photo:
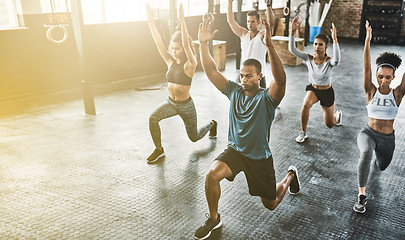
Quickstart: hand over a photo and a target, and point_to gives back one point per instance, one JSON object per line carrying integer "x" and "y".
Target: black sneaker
{"x": 295, "y": 183}
{"x": 156, "y": 155}
{"x": 213, "y": 130}
{"x": 360, "y": 205}
{"x": 205, "y": 230}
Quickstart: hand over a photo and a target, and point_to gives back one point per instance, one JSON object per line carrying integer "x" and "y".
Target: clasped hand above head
{"x": 369, "y": 31}
{"x": 204, "y": 31}
{"x": 149, "y": 12}
{"x": 295, "y": 25}
{"x": 181, "y": 13}
{"x": 333, "y": 33}
{"x": 267, "y": 31}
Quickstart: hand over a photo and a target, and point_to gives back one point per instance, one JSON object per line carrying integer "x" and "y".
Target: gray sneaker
{"x": 360, "y": 205}
{"x": 301, "y": 137}
{"x": 340, "y": 119}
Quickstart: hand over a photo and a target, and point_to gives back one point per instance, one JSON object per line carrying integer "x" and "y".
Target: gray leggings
{"x": 170, "y": 108}
{"x": 368, "y": 141}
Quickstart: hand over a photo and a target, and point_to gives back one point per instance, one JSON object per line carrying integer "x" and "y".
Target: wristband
{"x": 268, "y": 5}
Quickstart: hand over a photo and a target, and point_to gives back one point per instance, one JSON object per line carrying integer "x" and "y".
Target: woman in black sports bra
{"x": 181, "y": 63}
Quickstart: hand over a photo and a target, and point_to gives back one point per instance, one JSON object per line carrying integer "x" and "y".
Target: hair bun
{"x": 389, "y": 58}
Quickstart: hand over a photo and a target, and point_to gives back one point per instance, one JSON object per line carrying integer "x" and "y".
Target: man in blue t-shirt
{"x": 250, "y": 116}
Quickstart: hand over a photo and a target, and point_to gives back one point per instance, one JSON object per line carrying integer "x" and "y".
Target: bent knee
{"x": 212, "y": 176}
{"x": 330, "y": 124}
{"x": 271, "y": 205}
{"x": 153, "y": 119}
{"x": 382, "y": 166}
{"x": 306, "y": 107}
{"x": 193, "y": 138}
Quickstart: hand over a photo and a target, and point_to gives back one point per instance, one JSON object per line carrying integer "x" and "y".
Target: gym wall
{"x": 30, "y": 64}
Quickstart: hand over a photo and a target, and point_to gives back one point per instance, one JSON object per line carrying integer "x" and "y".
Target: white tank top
{"x": 383, "y": 107}
{"x": 253, "y": 49}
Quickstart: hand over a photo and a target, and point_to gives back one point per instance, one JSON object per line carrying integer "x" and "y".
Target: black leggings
{"x": 187, "y": 112}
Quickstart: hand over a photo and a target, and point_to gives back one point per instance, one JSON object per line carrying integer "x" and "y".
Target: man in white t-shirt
{"x": 251, "y": 38}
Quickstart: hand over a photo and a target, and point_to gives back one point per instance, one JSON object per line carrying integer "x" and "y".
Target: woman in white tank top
{"x": 382, "y": 107}
{"x": 320, "y": 67}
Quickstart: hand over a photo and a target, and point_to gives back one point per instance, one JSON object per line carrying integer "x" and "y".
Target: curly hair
{"x": 323, "y": 37}
{"x": 389, "y": 59}
{"x": 177, "y": 38}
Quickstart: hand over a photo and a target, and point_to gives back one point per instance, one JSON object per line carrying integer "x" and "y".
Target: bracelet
{"x": 268, "y": 5}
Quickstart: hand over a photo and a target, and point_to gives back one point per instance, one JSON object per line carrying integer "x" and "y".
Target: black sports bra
{"x": 176, "y": 74}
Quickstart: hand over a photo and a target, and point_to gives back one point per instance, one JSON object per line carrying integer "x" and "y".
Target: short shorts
{"x": 326, "y": 96}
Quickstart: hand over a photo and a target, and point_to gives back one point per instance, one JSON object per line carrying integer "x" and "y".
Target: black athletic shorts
{"x": 326, "y": 96}
{"x": 259, "y": 174}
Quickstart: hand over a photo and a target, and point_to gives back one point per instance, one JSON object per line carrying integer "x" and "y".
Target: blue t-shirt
{"x": 250, "y": 119}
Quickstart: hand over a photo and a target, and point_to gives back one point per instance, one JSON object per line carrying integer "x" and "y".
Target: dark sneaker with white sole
{"x": 213, "y": 130}
{"x": 295, "y": 183}
{"x": 156, "y": 155}
{"x": 360, "y": 205}
{"x": 205, "y": 230}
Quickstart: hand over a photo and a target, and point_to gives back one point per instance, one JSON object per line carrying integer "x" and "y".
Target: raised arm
{"x": 336, "y": 50}
{"x": 236, "y": 28}
{"x": 208, "y": 64}
{"x": 191, "y": 64}
{"x": 291, "y": 43}
{"x": 277, "y": 86}
{"x": 369, "y": 87}
{"x": 157, "y": 38}
{"x": 400, "y": 90}
{"x": 270, "y": 16}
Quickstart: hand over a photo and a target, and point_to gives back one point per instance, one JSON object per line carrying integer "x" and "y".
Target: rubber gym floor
{"x": 68, "y": 175}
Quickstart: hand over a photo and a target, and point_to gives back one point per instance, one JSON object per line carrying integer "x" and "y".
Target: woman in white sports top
{"x": 382, "y": 107}
{"x": 320, "y": 67}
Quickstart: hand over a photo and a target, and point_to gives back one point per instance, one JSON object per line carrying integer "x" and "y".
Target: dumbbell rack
{"x": 385, "y": 17}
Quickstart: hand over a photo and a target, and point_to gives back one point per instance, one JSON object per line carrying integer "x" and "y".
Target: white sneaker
{"x": 301, "y": 137}
{"x": 340, "y": 118}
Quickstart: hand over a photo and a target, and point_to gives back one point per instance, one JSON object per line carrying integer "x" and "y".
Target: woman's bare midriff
{"x": 178, "y": 92}
{"x": 382, "y": 126}
{"x": 321, "y": 87}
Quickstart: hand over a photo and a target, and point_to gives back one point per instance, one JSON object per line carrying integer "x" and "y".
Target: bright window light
{"x": 101, "y": 11}
{"x": 248, "y": 5}
{"x": 8, "y": 14}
